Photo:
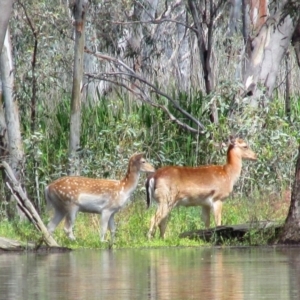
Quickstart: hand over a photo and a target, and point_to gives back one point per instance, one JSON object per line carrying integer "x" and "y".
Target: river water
{"x": 168, "y": 273}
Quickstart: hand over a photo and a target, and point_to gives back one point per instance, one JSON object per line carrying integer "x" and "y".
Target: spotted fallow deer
{"x": 72, "y": 194}
{"x": 207, "y": 186}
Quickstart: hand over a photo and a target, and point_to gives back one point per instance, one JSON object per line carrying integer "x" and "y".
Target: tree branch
{"x": 126, "y": 71}
{"x": 26, "y": 206}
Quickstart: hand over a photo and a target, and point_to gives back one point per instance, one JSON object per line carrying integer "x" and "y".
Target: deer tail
{"x": 149, "y": 189}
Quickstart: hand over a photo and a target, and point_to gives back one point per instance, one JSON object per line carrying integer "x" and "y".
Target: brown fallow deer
{"x": 72, "y": 194}
{"x": 207, "y": 186}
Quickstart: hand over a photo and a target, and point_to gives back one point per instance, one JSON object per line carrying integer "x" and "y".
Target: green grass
{"x": 133, "y": 224}
{"x": 111, "y": 136}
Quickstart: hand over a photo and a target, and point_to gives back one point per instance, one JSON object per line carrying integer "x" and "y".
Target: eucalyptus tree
{"x": 205, "y": 15}
{"x": 274, "y": 26}
{"x": 270, "y": 28}
{"x": 80, "y": 10}
{"x": 15, "y": 147}
{"x": 290, "y": 233}
{"x": 10, "y": 139}
{"x": 296, "y": 42}
{"x": 5, "y": 14}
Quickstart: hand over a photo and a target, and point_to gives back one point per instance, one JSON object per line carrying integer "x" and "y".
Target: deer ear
{"x": 138, "y": 156}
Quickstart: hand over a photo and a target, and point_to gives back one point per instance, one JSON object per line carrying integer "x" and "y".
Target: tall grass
{"x": 112, "y": 131}
{"x": 133, "y": 224}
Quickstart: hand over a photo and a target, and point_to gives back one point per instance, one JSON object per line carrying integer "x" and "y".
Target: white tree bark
{"x": 90, "y": 64}
{"x": 11, "y": 109}
{"x": 269, "y": 47}
{"x": 5, "y": 12}
{"x": 15, "y": 146}
{"x": 265, "y": 53}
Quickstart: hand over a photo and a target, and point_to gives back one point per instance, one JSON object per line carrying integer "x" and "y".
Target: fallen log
{"x": 10, "y": 245}
{"x": 221, "y": 233}
{"x": 17, "y": 246}
{"x": 26, "y": 206}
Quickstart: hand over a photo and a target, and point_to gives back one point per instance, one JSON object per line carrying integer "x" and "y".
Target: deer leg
{"x": 69, "y": 223}
{"x": 218, "y": 212}
{"x": 163, "y": 226}
{"x": 159, "y": 220}
{"x": 105, "y": 218}
{"x": 152, "y": 229}
{"x": 112, "y": 227}
{"x": 56, "y": 219}
{"x": 206, "y": 216}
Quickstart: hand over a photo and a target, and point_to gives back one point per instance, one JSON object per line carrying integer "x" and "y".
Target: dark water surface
{"x": 169, "y": 273}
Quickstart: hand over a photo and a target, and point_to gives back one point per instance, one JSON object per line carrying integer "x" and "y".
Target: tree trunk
{"x": 15, "y": 147}
{"x": 79, "y": 11}
{"x": 258, "y": 13}
{"x": 296, "y": 42}
{"x": 204, "y": 21}
{"x": 265, "y": 51}
{"x": 90, "y": 66}
{"x": 5, "y": 12}
{"x": 291, "y": 230}
{"x": 287, "y": 86}
{"x": 204, "y": 42}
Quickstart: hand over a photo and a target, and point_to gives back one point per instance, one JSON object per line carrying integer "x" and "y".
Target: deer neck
{"x": 130, "y": 181}
{"x": 233, "y": 166}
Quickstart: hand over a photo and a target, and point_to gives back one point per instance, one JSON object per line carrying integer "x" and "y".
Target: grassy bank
{"x": 113, "y": 130}
{"x": 133, "y": 224}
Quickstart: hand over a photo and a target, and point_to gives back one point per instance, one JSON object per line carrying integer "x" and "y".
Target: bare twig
{"x": 126, "y": 72}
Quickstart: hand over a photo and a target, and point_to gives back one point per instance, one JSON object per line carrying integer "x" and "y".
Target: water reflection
{"x": 184, "y": 273}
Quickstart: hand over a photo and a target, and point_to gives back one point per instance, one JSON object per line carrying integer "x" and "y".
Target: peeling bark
{"x": 258, "y": 13}
{"x": 5, "y": 12}
{"x": 265, "y": 52}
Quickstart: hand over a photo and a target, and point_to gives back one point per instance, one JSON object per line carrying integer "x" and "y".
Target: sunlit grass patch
{"x": 7, "y": 229}
{"x": 23, "y": 231}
